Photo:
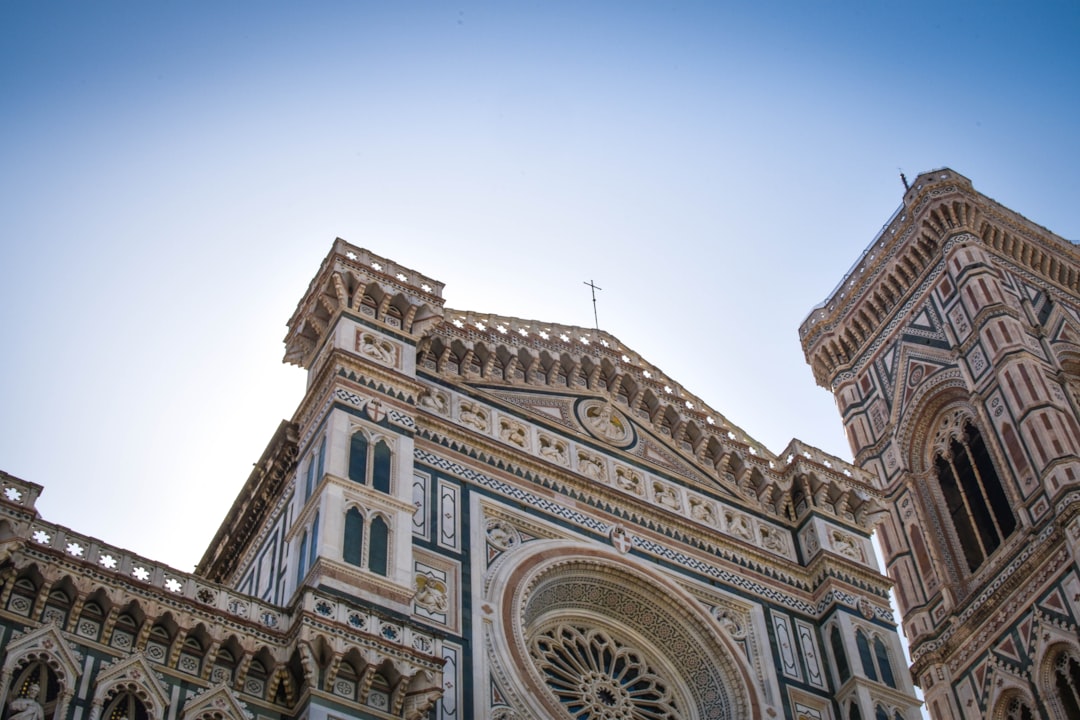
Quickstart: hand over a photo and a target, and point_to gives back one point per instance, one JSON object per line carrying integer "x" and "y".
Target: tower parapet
{"x": 951, "y": 349}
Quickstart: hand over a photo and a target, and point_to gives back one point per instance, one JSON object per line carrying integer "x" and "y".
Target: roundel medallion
{"x": 604, "y": 422}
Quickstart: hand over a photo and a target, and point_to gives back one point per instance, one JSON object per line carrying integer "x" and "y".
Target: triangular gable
{"x": 217, "y": 701}
{"x": 133, "y": 670}
{"x": 917, "y": 364}
{"x": 1008, "y": 649}
{"x": 45, "y": 642}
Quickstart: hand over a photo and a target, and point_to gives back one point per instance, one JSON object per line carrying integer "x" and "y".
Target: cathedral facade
{"x": 473, "y": 516}
{"x": 953, "y": 350}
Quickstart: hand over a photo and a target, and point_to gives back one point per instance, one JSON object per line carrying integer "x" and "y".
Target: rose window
{"x": 597, "y": 678}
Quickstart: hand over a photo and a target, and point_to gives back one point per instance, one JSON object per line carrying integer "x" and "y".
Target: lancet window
{"x": 839, "y": 656}
{"x": 378, "y": 546}
{"x": 35, "y": 685}
{"x": 363, "y": 456}
{"x": 1067, "y": 683}
{"x": 974, "y": 497}
{"x": 875, "y": 658}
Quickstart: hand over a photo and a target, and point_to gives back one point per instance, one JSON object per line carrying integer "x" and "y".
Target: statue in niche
{"x": 553, "y": 450}
{"x": 605, "y": 422}
{"x": 666, "y": 496}
{"x": 431, "y": 593}
{"x": 27, "y": 707}
{"x": 739, "y": 525}
{"x": 472, "y": 415}
{"x": 512, "y": 432}
{"x": 591, "y": 466}
{"x": 433, "y": 401}
{"x": 701, "y": 511}
{"x": 377, "y": 349}
{"x": 628, "y": 480}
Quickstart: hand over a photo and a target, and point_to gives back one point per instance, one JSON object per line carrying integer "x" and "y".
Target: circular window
{"x": 595, "y": 637}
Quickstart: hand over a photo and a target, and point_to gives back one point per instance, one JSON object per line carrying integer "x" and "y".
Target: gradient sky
{"x": 171, "y": 175}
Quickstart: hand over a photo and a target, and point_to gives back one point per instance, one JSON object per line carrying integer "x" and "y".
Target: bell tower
{"x": 355, "y": 331}
{"x": 952, "y": 348}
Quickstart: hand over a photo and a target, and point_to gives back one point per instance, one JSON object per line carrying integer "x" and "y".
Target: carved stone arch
{"x": 218, "y": 702}
{"x": 1008, "y": 693}
{"x": 135, "y": 675}
{"x": 920, "y": 421}
{"x": 46, "y": 645}
{"x": 1051, "y": 645}
{"x": 558, "y": 598}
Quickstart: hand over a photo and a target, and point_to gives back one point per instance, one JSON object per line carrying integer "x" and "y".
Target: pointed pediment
{"x": 553, "y": 407}
{"x": 216, "y": 701}
{"x": 134, "y": 669}
{"x": 918, "y": 364}
{"x": 1008, "y": 649}
{"x": 44, "y": 641}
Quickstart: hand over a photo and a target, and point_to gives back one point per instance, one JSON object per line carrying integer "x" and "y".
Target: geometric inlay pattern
{"x": 596, "y": 678}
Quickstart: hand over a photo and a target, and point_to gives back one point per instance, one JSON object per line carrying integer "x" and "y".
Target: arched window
{"x": 381, "y": 474}
{"x": 880, "y": 713}
{"x": 353, "y": 546}
{"x": 362, "y": 456}
{"x": 865, "y": 656}
{"x": 358, "y": 447}
{"x": 1017, "y": 709}
{"x": 853, "y": 712}
{"x": 839, "y": 656}
{"x": 380, "y": 541}
{"x": 974, "y": 498}
{"x": 1067, "y": 683}
{"x": 881, "y": 654}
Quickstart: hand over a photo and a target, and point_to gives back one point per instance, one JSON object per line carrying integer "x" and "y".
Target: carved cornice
{"x": 255, "y": 501}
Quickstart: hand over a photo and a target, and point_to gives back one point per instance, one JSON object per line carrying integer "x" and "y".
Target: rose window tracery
{"x": 597, "y": 678}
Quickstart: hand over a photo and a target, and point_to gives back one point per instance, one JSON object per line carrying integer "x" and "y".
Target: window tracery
{"x": 975, "y": 500}
{"x": 1067, "y": 682}
{"x": 597, "y": 678}
{"x": 363, "y": 455}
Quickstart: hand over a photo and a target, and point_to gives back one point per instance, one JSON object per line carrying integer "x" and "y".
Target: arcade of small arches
{"x": 203, "y": 650}
{"x": 346, "y": 291}
{"x": 745, "y": 472}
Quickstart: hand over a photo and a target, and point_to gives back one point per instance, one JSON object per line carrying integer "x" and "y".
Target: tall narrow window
{"x": 303, "y": 558}
{"x": 881, "y": 654}
{"x": 358, "y": 446}
{"x": 362, "y": 456}
{"x": 322, "y": 461}
{"x": 880, "y": 713}
{"x": 865, "y": 656}
{"x": 839, "y": 656}
{"x": 125, "y": 706}
{"x": 380, "y": 541}
{"x": 1067, "y": 681}
{"x": 974, "y": 498}
{"x": 313, "y": 548}
{"x": 853, "y": 712}
{"x": 353, "y": 550}
{"x": 309, "y": 481}
{"x": 381, "y": 472}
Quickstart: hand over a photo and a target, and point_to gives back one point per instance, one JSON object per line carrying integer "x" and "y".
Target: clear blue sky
{"x": 171, "y": 174}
